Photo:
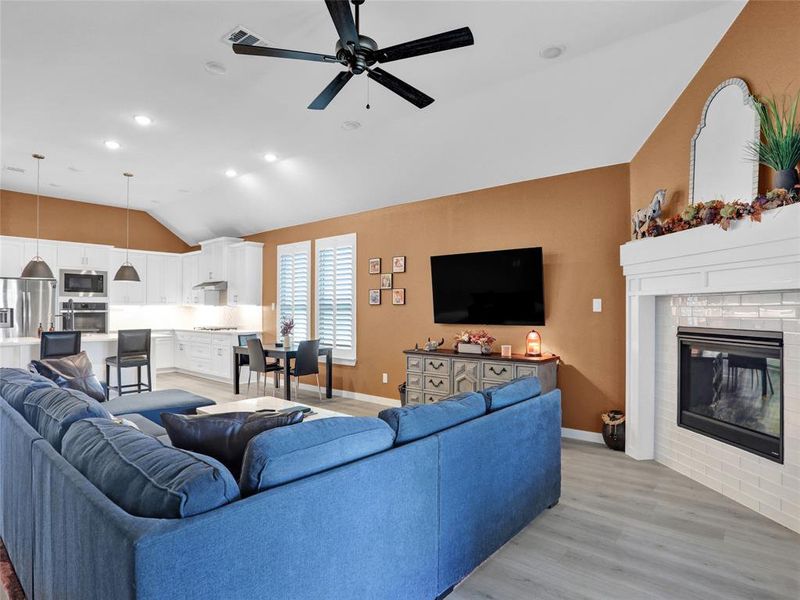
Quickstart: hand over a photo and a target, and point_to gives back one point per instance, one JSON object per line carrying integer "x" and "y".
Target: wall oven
{"x": 89, "y": 317}
{"x": 83, "y": 283}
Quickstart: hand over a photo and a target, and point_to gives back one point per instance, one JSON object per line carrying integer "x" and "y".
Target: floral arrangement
{"x": 717, "y": 212}
{"x": 480, "y": 337}
{"x": 287, "y": 326}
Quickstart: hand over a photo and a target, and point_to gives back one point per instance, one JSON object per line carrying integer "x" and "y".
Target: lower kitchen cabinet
{"x": 206, "y": 354}
{"x": 165, "y": 352}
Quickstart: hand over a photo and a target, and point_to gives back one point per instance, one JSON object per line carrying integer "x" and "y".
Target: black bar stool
{"x": 58, "y": 344}
{"x": 133, "y": 350}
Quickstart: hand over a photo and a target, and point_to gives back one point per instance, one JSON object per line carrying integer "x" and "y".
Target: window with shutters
{"x": 294, "y": 288}
{"x": 336, "y": 295}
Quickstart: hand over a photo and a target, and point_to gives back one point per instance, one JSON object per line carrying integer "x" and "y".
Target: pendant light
{"x": 37, "y": 268}
{"x": 127, "y": 272}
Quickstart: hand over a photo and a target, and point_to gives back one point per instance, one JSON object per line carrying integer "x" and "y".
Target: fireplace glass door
{"x": 730, "y": 387}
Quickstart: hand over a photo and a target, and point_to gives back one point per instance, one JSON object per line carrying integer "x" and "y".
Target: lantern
{"x": 533, "y": 344}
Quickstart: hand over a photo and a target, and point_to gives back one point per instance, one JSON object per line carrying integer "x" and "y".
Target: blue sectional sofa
{"x": 403, "y": 506}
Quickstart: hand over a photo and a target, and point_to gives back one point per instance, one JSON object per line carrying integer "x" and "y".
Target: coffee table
{"x": 267, "y": 403}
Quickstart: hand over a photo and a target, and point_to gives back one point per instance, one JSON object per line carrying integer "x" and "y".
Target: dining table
{"x": 285, "y": 354}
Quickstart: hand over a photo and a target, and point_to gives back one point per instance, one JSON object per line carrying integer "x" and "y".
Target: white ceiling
{"x": 75, "y": 73}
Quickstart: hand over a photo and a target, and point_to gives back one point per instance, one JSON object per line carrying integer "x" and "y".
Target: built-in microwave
{"x": 83, "y": 283}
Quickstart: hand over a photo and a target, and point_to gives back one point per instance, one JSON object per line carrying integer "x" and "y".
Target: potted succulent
{"x": 287, "y": 328}
{"x": 474, "y": 342}
{"x": 779, "y": 146}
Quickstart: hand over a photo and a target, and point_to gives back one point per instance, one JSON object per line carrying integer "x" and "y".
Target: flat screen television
{"x": 504, "y": 287}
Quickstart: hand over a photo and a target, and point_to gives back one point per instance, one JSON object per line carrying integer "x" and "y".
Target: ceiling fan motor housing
{"x": 360, "y": 58}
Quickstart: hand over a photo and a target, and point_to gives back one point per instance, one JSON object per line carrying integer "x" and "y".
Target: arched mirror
{"x": 719, "y": 167}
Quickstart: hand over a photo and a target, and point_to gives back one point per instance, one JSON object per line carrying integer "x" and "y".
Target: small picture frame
{"x": 374, "y": 266}
{"x": 399, "y": 296}
{"x": 386, "y": 281}
{"x": 374, "y": 297}
{"x": 398, "y": 264}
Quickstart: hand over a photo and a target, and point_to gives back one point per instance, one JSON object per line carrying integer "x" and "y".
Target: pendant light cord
{"x": 127, "y": 216}
{"x": 39, "y": 159}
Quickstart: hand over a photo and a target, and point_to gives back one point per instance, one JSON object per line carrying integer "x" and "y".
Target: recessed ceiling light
{"x": 230, "y": 173}
{"x": 551, "y": 52}
{"x": 215, "y": 68}
{"x": 270, "y": 157}
{"x": 351, "y": 125}
{"x": 112, "y": 145}
{"x": 143, "y": 120}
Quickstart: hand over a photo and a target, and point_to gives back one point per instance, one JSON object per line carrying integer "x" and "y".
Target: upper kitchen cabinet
{"x": 164, "y": 281}
{"x": 83, "y": 256}
{"x": 47, "y": 250}
{"x": 190, "y": 263}
{"x": 128, "y": 292}
{"x": 244, "y": 273}
{"x": 213, "y": 263}
{"x": 13, "y": 258}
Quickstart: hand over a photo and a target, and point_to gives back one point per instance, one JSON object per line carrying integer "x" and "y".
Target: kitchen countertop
{"x": 86, "y": 338}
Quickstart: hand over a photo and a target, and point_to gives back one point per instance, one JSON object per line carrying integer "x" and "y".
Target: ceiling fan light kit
{"x": 359, "y": 53}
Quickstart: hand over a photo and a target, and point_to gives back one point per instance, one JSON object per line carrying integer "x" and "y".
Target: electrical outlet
{"x": 597, "y": 305}
{"x": 385, "y": 378}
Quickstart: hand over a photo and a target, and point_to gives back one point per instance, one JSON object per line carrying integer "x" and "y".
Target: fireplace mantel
{"x": 749, "y": 257}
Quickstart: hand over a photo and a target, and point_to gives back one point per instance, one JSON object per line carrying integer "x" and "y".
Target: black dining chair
{"x": 58, "y": 344}
{"x": 133, "y": 351}
{"x": 306, "y": 362}
{"x": 257, "y": 363}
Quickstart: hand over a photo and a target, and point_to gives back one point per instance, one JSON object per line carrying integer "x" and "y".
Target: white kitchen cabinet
{"x": 128, "y": 292}
{"x": 189, "y": 267}
{"x": 83, "y": 256}
{"x": 213, "y": 263}
{"x": 47, "y": 250}
{"x": 245, "y": 273}
{"x": 165, "y": 352}
{"x": 221, "y": 356}
{"x": 181, "y": 356}
{"x": 12, "y": 257}
{"x": 164, "y": 280}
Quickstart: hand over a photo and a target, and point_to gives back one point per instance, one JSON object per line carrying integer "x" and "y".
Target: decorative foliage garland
{"x": 722, "y": 213}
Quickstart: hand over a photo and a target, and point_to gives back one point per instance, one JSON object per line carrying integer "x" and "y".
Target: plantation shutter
{"x": 336, "y": 295}
{"x": 294, "y": 287}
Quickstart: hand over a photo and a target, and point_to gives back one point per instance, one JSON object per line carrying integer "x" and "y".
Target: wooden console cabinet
{"x": 432, "y": 376}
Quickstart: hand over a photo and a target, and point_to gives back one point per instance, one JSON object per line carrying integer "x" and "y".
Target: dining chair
{"x": 306, "y": 362}
{"x": 257, "y": 363}
{"x": 244, "y": 359}
{"x": 58, "y": 344}
{"x": 133, "y": 351}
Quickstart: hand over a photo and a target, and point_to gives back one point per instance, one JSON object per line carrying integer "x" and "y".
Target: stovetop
{"x": 215, "y": 328}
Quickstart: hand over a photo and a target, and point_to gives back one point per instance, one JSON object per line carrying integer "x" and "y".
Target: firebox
{"x": 730, "y": 387}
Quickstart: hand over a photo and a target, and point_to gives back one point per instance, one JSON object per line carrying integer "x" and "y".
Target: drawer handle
{"x": 436, "y": 383}
{"x": 439, "y": 366}
{"x": 500, "y": 372}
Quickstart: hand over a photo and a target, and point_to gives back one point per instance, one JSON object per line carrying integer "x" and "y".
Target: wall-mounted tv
{"x": 504, "y": 287}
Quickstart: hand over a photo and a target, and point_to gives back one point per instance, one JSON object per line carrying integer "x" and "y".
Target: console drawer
{"x": 429, "y": 397}
{"x": 414, "y": 397}
{"x": 414, "y": 381}
{"x": 437, "y": 366}
{"x": 436, "y": 384}
{"x": 414, "y": 363}
{"x": 497, "y": 371}
{"x": 526, "y": 370}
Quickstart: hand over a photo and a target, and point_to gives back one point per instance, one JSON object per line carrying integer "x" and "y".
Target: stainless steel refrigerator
{"x": 25, "y": 304}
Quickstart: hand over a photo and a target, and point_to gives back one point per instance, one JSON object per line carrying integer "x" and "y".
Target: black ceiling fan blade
{"x": 400, "y": 87}
{"x": 329, "y": 93}
{"x": 281, "y": 53}
{"x": 457, "y": 38}
{"x": 343, "y": 21}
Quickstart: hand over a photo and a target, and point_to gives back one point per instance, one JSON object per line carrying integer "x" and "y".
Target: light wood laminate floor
{"x": 624, "y": 529}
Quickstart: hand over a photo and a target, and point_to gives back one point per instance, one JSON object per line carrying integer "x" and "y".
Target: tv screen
{"x": 504, "y": 287}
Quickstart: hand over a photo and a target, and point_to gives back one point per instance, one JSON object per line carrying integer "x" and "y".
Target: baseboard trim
{"x": 382, "y": 400}
{"x": 580, "y": 434}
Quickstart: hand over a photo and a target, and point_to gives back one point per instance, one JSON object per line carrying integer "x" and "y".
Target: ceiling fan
{"x": 359, "y": 53}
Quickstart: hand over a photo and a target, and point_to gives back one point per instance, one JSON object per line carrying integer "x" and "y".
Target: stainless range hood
{"x": 215, "y": 293}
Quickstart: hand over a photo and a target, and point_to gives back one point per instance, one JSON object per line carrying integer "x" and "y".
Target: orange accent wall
{"x": 579, "y": 219}
{"x": 761, "y": 48}
{"x": 73, "y": 221}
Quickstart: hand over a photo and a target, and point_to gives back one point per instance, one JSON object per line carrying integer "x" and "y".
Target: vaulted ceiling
{"x": 75, "y": 73}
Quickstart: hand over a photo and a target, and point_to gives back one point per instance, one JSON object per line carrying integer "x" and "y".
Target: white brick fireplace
{"x": 745, "y": 278}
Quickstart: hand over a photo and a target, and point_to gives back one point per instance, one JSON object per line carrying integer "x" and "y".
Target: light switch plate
{"x": 597, "y": 305}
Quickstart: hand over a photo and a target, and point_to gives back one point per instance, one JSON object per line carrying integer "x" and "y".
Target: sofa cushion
{"x": 223, "y": 436}
{"x": 16, "y": 384}
{"x": 417, "y": 421}
{"x": 285, "y": 454}
{"x": 144, "y": 477}
{"x": 152, "y": 404}
{"x": 74, "y": 372}
{"x": 141, "y": 423}
{"x": 516, "y": 390}
{"x": 52, "y": 411}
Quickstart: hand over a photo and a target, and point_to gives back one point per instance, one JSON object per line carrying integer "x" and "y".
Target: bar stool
{"x": 58, "y": 344}
{"x": 133, "y": 350}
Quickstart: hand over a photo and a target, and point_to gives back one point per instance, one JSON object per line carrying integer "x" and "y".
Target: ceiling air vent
{"x": 242, "y": 35}
{"x": 15, "y": 169}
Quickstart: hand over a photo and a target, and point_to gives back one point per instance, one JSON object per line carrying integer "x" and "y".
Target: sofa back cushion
{"x": 414, "y": 422}
{"x": 516, "y": 390}
{"x": 16, "y": 384}
{"x": 144, "y": 477}
{"x": 52, "y": 411}
{"x": 285, "y": 454}
{"x": 74, "y": 372}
